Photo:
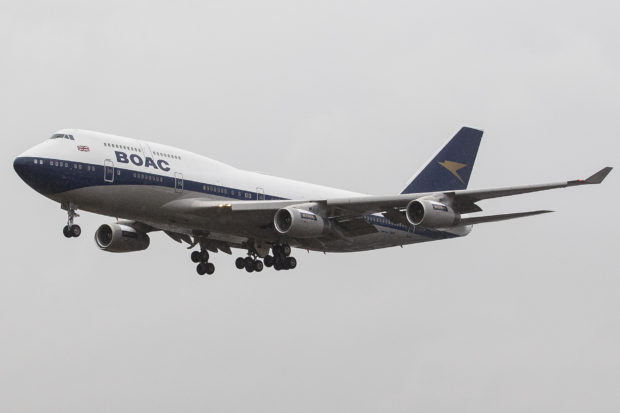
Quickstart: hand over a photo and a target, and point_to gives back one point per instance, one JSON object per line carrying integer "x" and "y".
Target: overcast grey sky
{"x": 518, "y": 316}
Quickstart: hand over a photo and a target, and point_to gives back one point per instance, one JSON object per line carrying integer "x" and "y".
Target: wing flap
{"x": 356, "y": 227}
{"x": 500, "y": 217}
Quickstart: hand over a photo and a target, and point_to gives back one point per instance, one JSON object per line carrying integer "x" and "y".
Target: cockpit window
{"x": 62, "y": 136}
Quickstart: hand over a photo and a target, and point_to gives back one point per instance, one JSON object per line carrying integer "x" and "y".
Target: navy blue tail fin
{"x": 451, "y": 167}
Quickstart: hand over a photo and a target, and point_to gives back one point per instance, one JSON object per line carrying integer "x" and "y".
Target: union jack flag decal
{"x": 83, "y": 148}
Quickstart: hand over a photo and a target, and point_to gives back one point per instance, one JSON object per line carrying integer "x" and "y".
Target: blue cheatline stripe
{"x": 54, "y": 176}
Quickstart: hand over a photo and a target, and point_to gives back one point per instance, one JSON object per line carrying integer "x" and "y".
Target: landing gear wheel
{"x": 286, "y": 250}
{"x": 249, "y": 267}
{"x": 277, "y": 266}
{"x": 278, "y": 261}
{"x": 204, "y": 255}
{"x": 258, "y": 266}
{"x": 201, "y": 268}
{"x": 268, "y": 260}
{"x": 195, "y": 256}
{"x": 70, "y": 230}
{"x": 240, "y": 263}
{"x": 75, "y": 230}
{"x": 291, "y": 262}
{"x": 210, "y": 268}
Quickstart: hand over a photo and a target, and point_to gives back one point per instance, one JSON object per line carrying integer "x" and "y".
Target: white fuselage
{"x": 133, "y": 179}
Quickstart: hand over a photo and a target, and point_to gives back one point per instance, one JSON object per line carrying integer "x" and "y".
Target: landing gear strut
{"x": 202, "y": 258}
{"x": 71, "y": 230}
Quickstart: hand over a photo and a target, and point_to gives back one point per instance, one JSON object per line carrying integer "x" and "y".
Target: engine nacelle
{"x": 300, "y": 223}
{"x": 121, "y": 238}
{"x": 431, "y": 214}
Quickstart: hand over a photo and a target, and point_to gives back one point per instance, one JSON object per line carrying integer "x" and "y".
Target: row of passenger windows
{"x": 125, "y": 147}
{"x": 373, "y": 219}
{"x": 153, "y": 178}
{"x": 62, "y": 136}
{"x": 225, "y": 191}
{"x": 148, "y": 177}
{"x": 61, "y": 164}
{"x": 167, "y": 155}
{"x": 217, "y": 189}
{"x": 134, "y": 149}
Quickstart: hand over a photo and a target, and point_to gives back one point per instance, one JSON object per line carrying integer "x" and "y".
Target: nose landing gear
{"x": 71, "y": 230}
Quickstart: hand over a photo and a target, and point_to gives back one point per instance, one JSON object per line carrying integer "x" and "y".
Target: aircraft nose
{"x": 24, "y": 168}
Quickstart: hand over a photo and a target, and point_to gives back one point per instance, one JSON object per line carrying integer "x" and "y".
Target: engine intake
{"x": 121, "y": 238}
{"x": 300, "y": 223}
{"x": 431, "y": 214}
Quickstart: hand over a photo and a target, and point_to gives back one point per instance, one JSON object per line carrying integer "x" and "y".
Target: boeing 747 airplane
{"x": 153, "y": 187}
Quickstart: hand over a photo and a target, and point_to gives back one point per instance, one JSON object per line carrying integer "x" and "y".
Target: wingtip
{"x": 598, "y": 177}
{"x": 541, "y": 211}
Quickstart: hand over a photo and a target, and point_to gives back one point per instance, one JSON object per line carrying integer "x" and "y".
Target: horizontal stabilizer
{"x": 500, "y": 217}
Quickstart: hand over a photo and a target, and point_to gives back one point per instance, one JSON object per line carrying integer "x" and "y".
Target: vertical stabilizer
{"x": 451, "y": 167}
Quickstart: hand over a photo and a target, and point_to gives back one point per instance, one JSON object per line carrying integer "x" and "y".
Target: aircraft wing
{"x": 463, "y": 201}
{"x": 259, "y": 214}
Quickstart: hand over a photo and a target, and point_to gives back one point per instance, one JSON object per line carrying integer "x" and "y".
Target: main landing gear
{"x": 280, "y": 260}
{"x": 71, "y": 230}
{"x": 202, "y": 258}
{"x": 251, "y": 263}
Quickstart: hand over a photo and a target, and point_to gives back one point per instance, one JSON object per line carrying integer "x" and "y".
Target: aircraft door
{"x": 144, "y": 148}
{"x": 108, "y": 171}
{"x": 260, "y": 193}
{"x": 178, "y": 182}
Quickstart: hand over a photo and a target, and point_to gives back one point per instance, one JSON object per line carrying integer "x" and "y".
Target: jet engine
{"x": 300, "y": 223}
{"x": 431, "y": 214}
{"x": 121, "y": 238}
